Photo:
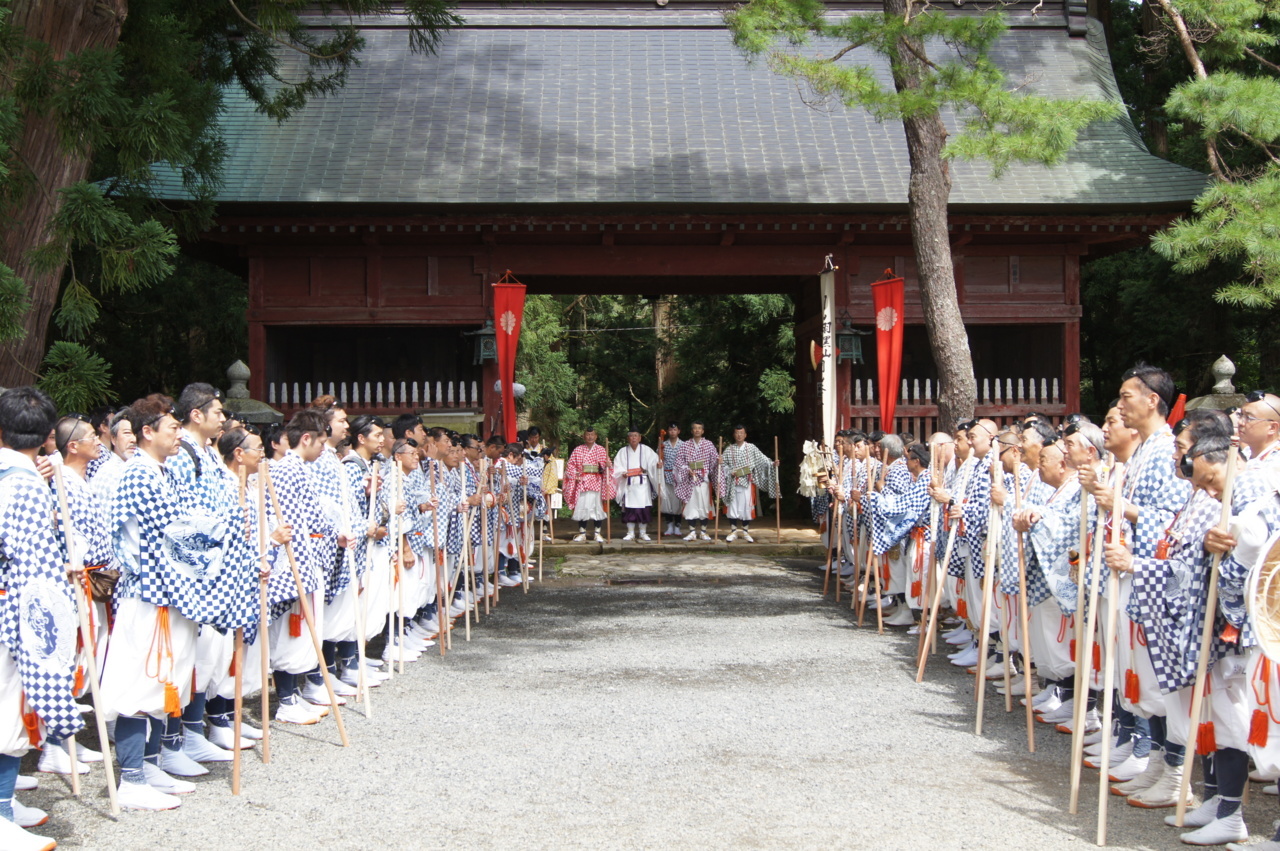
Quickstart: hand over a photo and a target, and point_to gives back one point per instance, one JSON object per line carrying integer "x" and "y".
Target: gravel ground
{"x": 731, "y": 711}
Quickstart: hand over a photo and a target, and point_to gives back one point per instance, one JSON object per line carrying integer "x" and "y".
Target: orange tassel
{"x": 172, "y": 706}
{"x": 1073, "y": 650}
{"x": 295, "y": 626}
{"x": 1258, "y": 726}
{"x": 79, "y": 683}
{"x": 962, "y": 609}
{"x": 1097, "y": 658}
{"x": 32, "y": 723}
{"x": 1132, "y": 690}
{"x": 1206, "y": 742}
{"x": 917, "y": 588}
{"x": 231, "y": 669}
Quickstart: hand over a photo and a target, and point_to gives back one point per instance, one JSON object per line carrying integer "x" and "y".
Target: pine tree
{"x": 999, "y": 123}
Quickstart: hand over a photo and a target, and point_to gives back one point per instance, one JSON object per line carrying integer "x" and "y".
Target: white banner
{"x": 827, "y": 380}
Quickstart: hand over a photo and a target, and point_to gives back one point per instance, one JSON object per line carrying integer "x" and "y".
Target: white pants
{"x": 741, "y": 505}
{"x": 1227, "y": 705}
{"x": 13, "y": 735}
{"x": 588, "y": 507}
{"x": 376, "y": 598}
{"x": 1051, "y": 636}
{"x": 340, "y": 616}
{"x": 127, "y": 687}
{"x": 296, "y": 654}
{"x": 1266, "y": 757}
{"x": 699, "y": 505}
{"x": 224, "y": 684}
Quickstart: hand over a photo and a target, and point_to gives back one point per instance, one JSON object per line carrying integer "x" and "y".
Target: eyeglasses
{"x": 1245, "y": 419}
{"x": 1258, "y": 396}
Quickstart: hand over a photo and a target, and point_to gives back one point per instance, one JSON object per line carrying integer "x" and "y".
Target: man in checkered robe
{"x": 453, "y": 508}
{"x": 669, "y": 453}
{"x": 697, "y": 465}
{"x": 895, "y": 514}
{"x": 588, "y": 485}
{"x": 894, "y": 560}
{"x": 1154, "y": 494}
{"x": 513, "y": 511}
{"x": 744, "y": 470}
{"x": 292, "y": 652}
{"x": 37, "y": 611}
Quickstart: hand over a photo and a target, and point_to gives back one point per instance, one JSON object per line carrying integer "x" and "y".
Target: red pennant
{"x": 1179, "y": 410}
{"x": 887, "y": 296}
{"x": 508, "y": 312}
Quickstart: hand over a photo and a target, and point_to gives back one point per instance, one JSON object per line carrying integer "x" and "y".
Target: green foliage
{"x": 13, "y": 303}
{"x": 542, "y": 366}
{"x": 1000, "y": 122}
{"x": 75, "y": 378}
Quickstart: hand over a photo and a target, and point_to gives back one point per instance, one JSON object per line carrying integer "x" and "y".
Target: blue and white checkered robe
{"x": 534, "y": 463}
{"x": 188, "y": 558}
{"x": 471, "y": 487}
{"x": 895, "y": 514}
{"x": 897, "y": 479}
{"x": 38, "y": 619}
{"x": 388, "y": 492}
{"x": 1152, "y": 484}
{"x": 419, "y": 488}
{"x": 452, "y": 492}
{"x": 300, "y": 509}
{"x": 91, "y": 469}
{"x": 1048, "y": 546}
{"x": 1259, "y": 505}
{"x": 975, "y": 510}
{"x": 1034, "y": 493}
{"x": 208, "y": 490}
{"x": 956, "y": 485}
{"x": 332, "y": 495}
{"x": 88, "y": 518}
{"x": 358, "y": 476}
{"x": 1170, "y": 595}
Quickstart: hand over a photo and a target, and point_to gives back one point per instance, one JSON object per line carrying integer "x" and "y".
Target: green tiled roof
{"x": 607, "y": 110}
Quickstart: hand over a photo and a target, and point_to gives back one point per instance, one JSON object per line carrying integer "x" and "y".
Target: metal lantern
{"x": 486, "y": 344}
{"x": 849, "y": 341}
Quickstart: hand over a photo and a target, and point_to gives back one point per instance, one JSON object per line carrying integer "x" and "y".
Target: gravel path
{"x": 731, "y": 711}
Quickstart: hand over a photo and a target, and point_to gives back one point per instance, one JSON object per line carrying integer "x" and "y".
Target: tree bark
{"x": 66, "y": 26}
{"x": 927, "y": 195}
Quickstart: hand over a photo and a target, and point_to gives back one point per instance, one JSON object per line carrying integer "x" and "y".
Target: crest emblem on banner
{"x": 508, "y": 322}
{"x": 886, "y": 318}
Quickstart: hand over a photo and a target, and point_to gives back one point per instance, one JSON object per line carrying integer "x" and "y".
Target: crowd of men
{"x": 1027, "y": 534}
{"x": 169, "y": 559}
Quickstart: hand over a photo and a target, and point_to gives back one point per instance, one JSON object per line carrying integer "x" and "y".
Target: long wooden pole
{"x": 834, "y": 534}
{"x": 1024, "y": 620}
{"x": 928, "y": 577}
{"x": 1206, "y": 638}
{"x": 91, "y": 660}
{"x": 1084, "y": 654}
{"x": 604, "y": 503}
{"x": 444, "y": 594}
{"x": 264, "y": 646}
{"x": 305, "y": 605}
{"x": 937, "y": 596}
{"x": 484, "y": 532}
{"x": 238, "y": 717}
{"x": 662, "y": 482}
{"x": 713, "y": 490}
{"x": 362, "y": 614}
{"x": 397, "y": 622}
{"x": 994, "y": 523}
{"x": 777, "y": 483}
{"x": 1109, "y": 664}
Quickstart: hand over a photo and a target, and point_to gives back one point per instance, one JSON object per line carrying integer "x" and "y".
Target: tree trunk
{"x": 927, "y": 195}
{"x": 66, "y": 26}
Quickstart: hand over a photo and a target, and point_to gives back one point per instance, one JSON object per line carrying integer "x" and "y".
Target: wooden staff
{"x": 263, "y": 644}
{"x": 777, "y": 482}
{"x": 928, "y": 578}
{"x": 497, "y": 533}
{"x": 362, "y": 617}
{"x": 937, "y": 594}
{"x": 484, "y": 530}
{"x": 1084, "y": 656}
{"x": 873, "y": 563}
{"x": 239, "y": 712}
{"x": 834, "y": 534}
{"x": 1206, "y": 638}
{"x": 75, "y": 568}
{"x": 1024, "y": 619}
{"x": 662, "y": 482}
{"x": 397, "y": 575}
{"x": 541, "y": 540}
{"x": 1109, "y": 665}
{"x": 608, "y": 515}
{"x": 713, "y": 490}
{"x": 526, "y": 532}
{"x": 994, "y": 521}
{"x": 466, "y": 558}
{"x": 305, "y": 605}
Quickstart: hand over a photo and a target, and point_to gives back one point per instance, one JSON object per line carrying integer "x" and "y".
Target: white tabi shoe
{"x": 1128, "y": 768}
{"x": 1204, "y": 814}
{"x": 505, "y": 581}
{"x": 599, "y": 539}
{"x": 962, "y": 637}
{"x": 747, "y": 537}
{"x": 28, "y": 816}
{"x": 199, "y": 748}
{"x": 1062, "y": 713}
{"x": 1271, "y": 789}
{"x": 161, "y": 781}
{"x": 1163, "y": 793}
{"x": 315, "y": 693}
{"x": 1145, "y": 780}
{"x": 179, "y": 764}
{"x": 1269, "y": 845}
{"x": 1118, "y": 754}
{"x": 1219, "y": 831}
{"x": 995, "y": 668}
{"x": 54, "y": 759}
{"x": 342, "y": 689}
{"x": 703, "y": 536}
{"x": 1092, "y": 721}
{"x": 1041, "y": 702}
{"x": 955, "y": 630}
{"x": 630, "y": 536}
{"x": 458, "y": 608}
{"x": 644, "y": 536}
{"x": 692, "y": 536}
{"x": 225, "y": 737}
{"x": 580, "y": 538}
{"x": 902, "y": 616}
{"x": 141, "y": 796}
{"x": 968, "y": 659}
{"x": 731, "y": 537}
{"x": 295, "y": 713}
{"x": 1093, "y": 738}
{"x": 14, "y": 838}
{"x": 391, "y": 654}
{"x": 26, "y": 783}
{"x": 1260, "y": 776}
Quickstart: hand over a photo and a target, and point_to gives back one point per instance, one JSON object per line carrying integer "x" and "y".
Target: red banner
{"x": 508, "y": 311}
{"x": 887, "y": 298}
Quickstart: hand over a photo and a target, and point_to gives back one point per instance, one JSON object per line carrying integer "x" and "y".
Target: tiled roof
{"x": 603, "y": 111}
